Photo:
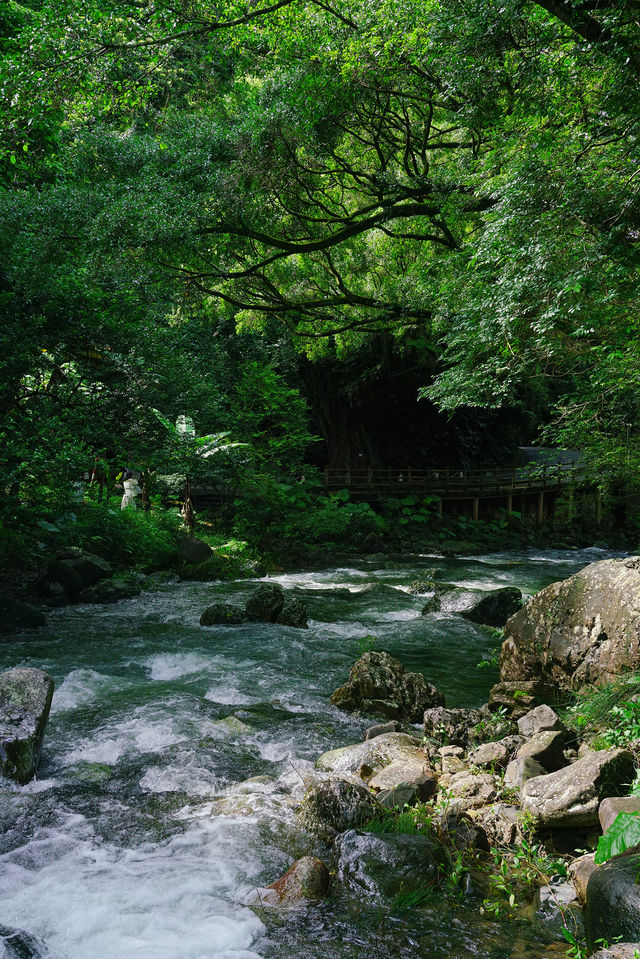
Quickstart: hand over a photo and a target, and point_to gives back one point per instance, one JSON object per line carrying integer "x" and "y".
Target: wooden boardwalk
{"x": 471, "y": 485}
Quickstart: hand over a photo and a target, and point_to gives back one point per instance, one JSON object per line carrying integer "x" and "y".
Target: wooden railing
{"x": 453, "y": 483}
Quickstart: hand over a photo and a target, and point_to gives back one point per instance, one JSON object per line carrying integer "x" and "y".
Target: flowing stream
{"x": 155, "y": 816}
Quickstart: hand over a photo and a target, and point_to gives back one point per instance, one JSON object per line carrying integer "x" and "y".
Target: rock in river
{"x": 17, "y": 944}
{"x": 374, "y": 754}
{"x": 308, "y": 879}
{"x": 585, "y": 629}
{"x": 25, "y": 700}
{"x": 379, "y": 684}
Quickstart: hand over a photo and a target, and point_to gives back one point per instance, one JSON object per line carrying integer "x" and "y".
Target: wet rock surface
{"x": 336, "y": 805}
{"x": 25, "y": 701}
{"x": 382, "y": 866}
{"x": 613, "y": 901}
{"x": 307, "y": 880}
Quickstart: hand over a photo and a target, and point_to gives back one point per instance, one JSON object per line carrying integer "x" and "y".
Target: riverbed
{"x": 174, "y": 753}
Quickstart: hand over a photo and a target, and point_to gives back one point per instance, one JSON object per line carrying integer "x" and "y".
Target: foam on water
{"x": 168, "y": 666}
{"x": 82, "y": 686}
{"x": 88, "y": 899}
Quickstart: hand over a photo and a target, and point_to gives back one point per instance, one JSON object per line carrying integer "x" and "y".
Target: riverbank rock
{"x": 518, "y": 698}
{"x": 112, "y": 590}
{"x": 571, "y": 796}
{"x": 72, "y": 570}
{"x": 580, "y": 871}
{"x": 373, "y": 755}
{"x": 379, "y": 684}
{"x": 380, "y": 866}
{"x": 613, "y": 901}
{"x": 336, "y": 805}
{"x": 547, "y": 748}
{"x": 610, "y": 809}
{"x": 539, "y": 720}
{"x": 192, "y": 550}
{"x": 585, "y": 629}
{"x": 14, "y": 614}
{"x": 25, "y": 701}
{"x": 223, "y": 614}
{"x": 452, "y": 727}
{"x": 619, "y": 950}
{"x": 519, "y": 771}
{"x": 308, "y": 879}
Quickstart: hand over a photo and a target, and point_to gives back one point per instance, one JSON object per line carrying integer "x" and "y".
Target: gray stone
{"x": 420, "y": 789}
{"x": 547, "y": 748}
{"x": 381, "y": 729}
{"x": 571, "y": 796}
{"x": 450, "y": 726}
{"x": 538, "y": 720}
{"x": 375, "y": 754}
{"x": 619, "y": 950}
{"x": 463, "y": 833}
{"x": 293, "y": 613}
{"x": 611, "y": 807}
{"x": 520, "y": 770}
{"x": 333, "y": 806}
{"x": 378, "y": 683}
{"x": 416, "y": 775}
{"x": 613, "y": 901}
{"x": 25, "y": 700}
{"x": 378, "y": 866}
{"x": 489, "y": 754}
{"x": 307, "y": 880}
{"x": 469, "y": 790}
{"x": 223, "y": 614}
{"x": 583, "y": 630}
{"x": 500, "y": 820}
{"x": 265, "y": 605}
{"x": 556, "y": 907}
{"x": 15, "y": 614}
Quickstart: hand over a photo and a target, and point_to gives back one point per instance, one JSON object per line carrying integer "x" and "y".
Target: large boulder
{"x": 192, "y": 550}
{"x": 585, "y": 629}
{"x": 379, "y": 684}
{"x": 612, "y": 908}
{"x": 293, "y": 613}
{"x": 15, "y": 614}
{"x": 571, "y": 796}
{"x": 25, "y": 700}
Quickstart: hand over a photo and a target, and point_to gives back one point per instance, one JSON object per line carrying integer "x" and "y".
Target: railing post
{"x": 348, "y": 476}
{"x": 326, "y": 477}
{"x": 540, "y": 516}
{"x": 476, "y": 507}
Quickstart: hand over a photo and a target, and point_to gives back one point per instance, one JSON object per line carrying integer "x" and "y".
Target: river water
{"x": 142, "y": 838}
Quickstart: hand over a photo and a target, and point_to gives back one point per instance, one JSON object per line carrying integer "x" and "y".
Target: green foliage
{"x": 622, "y": 834}
{"x": 123, "y": 537}
{"x": 609, "y": 715}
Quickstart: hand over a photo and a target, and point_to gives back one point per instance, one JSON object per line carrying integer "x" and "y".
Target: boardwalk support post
{"x": 476, "y": 507}
{"x": 540, "y": 517}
